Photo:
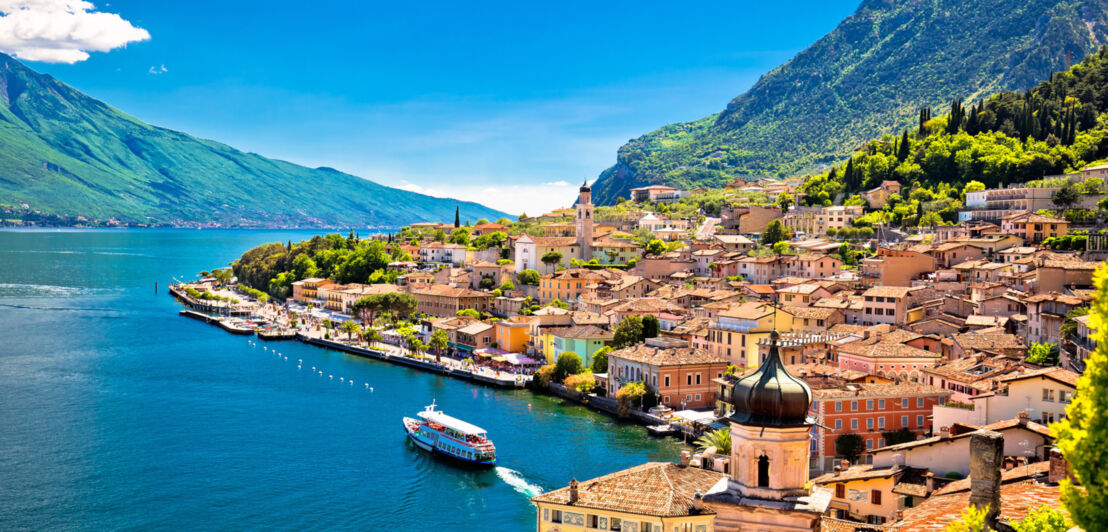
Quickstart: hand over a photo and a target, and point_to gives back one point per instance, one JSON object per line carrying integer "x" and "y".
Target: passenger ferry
{"x": 441, "y": 434}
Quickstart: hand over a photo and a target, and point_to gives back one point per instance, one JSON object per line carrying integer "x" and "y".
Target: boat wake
{"x": 514, "y": 479}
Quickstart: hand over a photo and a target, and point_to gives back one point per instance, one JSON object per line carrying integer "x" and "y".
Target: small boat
{"x": 660, "y": 430}
{"x": 441, "y": 434}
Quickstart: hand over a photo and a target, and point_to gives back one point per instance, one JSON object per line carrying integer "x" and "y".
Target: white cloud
{"x": 158, "y": 70}
{"x": 557, "y": 184}
{"x": 61, "y": 31}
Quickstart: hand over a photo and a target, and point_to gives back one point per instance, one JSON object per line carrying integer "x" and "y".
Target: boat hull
{"x": 410, "y": 426}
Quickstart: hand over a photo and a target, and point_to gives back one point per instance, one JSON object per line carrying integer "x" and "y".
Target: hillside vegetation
{"x": 867, "y": 77}
{"x": 64, "y": 153}
{"x": 1012, "y": 137}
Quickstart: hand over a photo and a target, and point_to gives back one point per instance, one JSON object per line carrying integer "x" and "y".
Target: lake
{"x": 116, "y": 413}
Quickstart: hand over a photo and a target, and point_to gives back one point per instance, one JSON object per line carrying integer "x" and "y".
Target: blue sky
{"x": 510, "y": 104}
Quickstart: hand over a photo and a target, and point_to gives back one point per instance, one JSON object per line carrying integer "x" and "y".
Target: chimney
{"x": 1024, "y": 417}
{"x": 838, "y": 470}
{"x": 685, "y": 455}
{"x": 573, "y": 491}
{"x": 986, "y": 455}
{"x": 845, "y": 464}
{"x": 697, "y": 502}
{"x": 930, "y": 482}
{"x": 944, "y": 432}
{"x": 1059, "y": 468}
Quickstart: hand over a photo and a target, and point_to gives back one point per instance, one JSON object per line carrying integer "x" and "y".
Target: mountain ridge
{"x": 65, "y": 153}
{"x": 867, "y": 77}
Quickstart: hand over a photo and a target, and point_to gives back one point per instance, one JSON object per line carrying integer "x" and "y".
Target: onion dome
{"x": 585, "y": 186}
{"x": 771, "y": 396}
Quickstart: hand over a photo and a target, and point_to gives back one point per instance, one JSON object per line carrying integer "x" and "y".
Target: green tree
{"x": 583, "y": 382}
{"x": 457, "y": 216}
{"x": 507, "y": 286}
{"x": 1068, "y": 330}
{"x": 849, "y": 446}
{"x": 775, "y": 232}
{"x": 629, "y": 332}
{"x": 460, "y": 236}
{"x": 529, "y": 277}
{"x": 1043, "y": 519}
{"x": 468, "y": 312}
{"x": 1082, "y": 435}
{"x": 630, "y": 395}
{"x": 551, "y": 258}
{"x": 971, "y": 520}
{"x": 1066, "y": 196}
{"x": 720, "y": 439}
{"x": 600, "y": 359}
{"x": 351, "y": 328}
{"x": 372, "y": 336}
{"x": 781, "y": 247}
{"x": 569, "y": 363}
{"x": 650, "y": 326}
{"x": 656, "y": 247}
{"x": 222, "y": 276}
{"x": 1045, "y": 354}
{"x": 439, "y": 341}
{"x": 901, "y": 435}
{"x": 486, "y": 283}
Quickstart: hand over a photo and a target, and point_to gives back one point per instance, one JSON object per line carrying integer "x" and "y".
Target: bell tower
{"x": 584, "y": 222}
{"x": 770, "y": 431}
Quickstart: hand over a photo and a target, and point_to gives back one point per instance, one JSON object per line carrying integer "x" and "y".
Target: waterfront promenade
{"x": 312, "y": 332}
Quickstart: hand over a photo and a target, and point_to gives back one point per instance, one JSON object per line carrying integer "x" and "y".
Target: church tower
{"x": 770, "y": 440}
{"x": 770, "y": 431}
{"x": 584, "y": 222}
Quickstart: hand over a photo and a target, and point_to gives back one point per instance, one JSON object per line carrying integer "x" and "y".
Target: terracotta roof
{"x": 887, "y": 291}
{"x": 888, "y": 345}
{"x": 883, "y": 389}
{"x": 654, "y": 488}
{"x": 811, "y": 313}
{"x": 585, "y": 332}
{"x": 751, "y": 310}
{"x": 994, "y": 342}
{"x": 858, "y": 472}
{"x": 1007, "y": 424}
{"x": 449, "y": 291}
{"x": 1061, "y": 375}
{"x": 1017, "y": 499}
{"x": 661, "y": 356}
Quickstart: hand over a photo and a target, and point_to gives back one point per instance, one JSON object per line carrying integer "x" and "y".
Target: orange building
{"x": 512, "y": 335}
{"x": 680, "y": 375}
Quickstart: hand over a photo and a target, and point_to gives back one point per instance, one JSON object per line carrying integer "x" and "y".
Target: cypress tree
{"x": 905, "y": 147}
{"x": 457, "y": 217}
{"x": 848, "y": 175}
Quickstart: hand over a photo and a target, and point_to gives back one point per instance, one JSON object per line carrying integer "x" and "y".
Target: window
{"x": 854, "y": 406}
{"x": 854, "y": 424}
{"x": 555, "y": 516}
{"x": 880, "y": 442}
{"x": 838, "y": 406}
{"x": 1065, "y": 396}
{"x": 616, "y": 524}
{"x": 881, "y": 422}
{"x": 667, "y": 381}
{"x": 1048, "y": 394}
{"x": 869, "y": 404}
{"x": 880, "y": 404}
{"x": 919, "y": 402}
{"x": 875, "y": 496}
{"x": 919, "y": 421}
{"x": 840, "y": 491}
{"x": 763, "y": 471}
{"x": 688, "y": 380}
{"x": 838, "y": 424}
{"x": 869, "y": 423}
{"x": 869, "y": 443}
{"x": 903, "y": 421}
{"x": 665, "y": 399}
{"x": 697, "y": 397}
{"x": 698, "y": 378}
{"x": 590, "y": 521}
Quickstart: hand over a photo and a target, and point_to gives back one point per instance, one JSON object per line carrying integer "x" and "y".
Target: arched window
{"x": 763, "y": 471}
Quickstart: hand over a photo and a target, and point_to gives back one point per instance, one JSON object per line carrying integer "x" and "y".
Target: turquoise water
{"x": 115, "y": 413}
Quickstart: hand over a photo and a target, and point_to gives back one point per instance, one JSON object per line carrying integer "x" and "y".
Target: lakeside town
{"x": 833, "y": 373}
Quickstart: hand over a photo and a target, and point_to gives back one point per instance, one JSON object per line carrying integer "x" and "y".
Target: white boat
{"x": 443, "y": 435}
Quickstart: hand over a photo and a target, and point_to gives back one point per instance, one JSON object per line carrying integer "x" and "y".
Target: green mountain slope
{"x": 65, "y": 153}
{"x": 867, "y": 77}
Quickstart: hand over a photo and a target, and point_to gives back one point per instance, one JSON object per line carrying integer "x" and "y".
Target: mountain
{"x": 867, "y": 77}
{"x": 67, "y": 154}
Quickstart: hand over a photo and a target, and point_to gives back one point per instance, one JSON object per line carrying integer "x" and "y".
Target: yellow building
{"x": 871, "y": 495}
{"x": 568, "y": 285}
{"x": 735, "y": 334}
{"x": 652, "y": 497}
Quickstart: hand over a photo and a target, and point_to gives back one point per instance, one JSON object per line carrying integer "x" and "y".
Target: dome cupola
{"x": 771, "y": 396}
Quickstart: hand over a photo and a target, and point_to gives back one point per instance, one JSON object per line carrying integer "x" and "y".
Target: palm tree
{"x": 418, "y": 347}
{"x": 223, "y": 276}
{"x": 371, "y": 336}
{"x": 551, "y": 258}
{"x": 351, "y": 328}
{"x": 439, "y": 341}
{"x": 720, "y": 439}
